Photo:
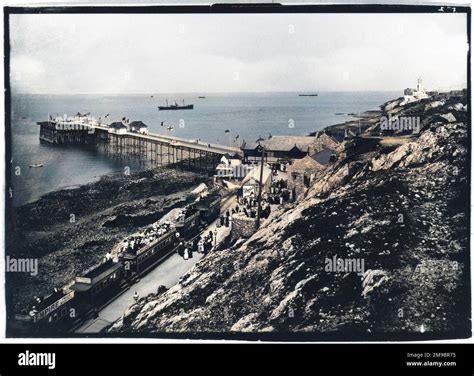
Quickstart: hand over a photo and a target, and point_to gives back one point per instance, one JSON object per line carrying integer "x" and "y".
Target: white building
{"x": 413, "y": 95}
{"x": 232, "y": 168}
{"x": 250, "y": 184}
{"x": 138, "y": 127}
{"x": 118, "y": 127}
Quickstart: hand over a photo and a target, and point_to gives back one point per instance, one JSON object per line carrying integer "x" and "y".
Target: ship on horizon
{"x": 308, "y": 95}
{"x": 176, "y": 106}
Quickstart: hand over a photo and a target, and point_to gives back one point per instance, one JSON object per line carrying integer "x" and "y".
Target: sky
{"x": 205, "y": 53}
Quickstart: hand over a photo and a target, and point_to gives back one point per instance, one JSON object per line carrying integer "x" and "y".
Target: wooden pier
{"x": 158, "y": 150}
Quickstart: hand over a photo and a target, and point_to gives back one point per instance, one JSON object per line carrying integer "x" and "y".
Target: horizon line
{"x": 454, "y": 87}
{"x": 213, "y": 92}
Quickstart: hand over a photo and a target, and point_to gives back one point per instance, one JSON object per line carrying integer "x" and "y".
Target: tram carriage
{"x": 53, "y": 314}
{"x": 138, "y": 261}
{"x": 188, "y": 222}
{"x": 209, "y": 208}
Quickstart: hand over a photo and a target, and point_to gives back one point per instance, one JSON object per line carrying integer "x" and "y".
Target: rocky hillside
{"x": 401, "y": 209}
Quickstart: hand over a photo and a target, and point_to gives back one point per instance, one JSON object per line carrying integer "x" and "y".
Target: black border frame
{"x": 266, "y": 8}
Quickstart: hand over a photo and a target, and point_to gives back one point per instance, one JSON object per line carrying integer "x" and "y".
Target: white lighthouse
{"x": 413, "y": 95}
{"x": 419, "y": 86}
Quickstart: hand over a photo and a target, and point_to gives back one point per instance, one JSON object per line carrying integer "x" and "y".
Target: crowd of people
{"x": 280, "y": 193}
{"x": 226, "y": 219}
{"x": 201, "y": 244}
{"x": 147, "y": 236}
{"x": 249, "y": 207}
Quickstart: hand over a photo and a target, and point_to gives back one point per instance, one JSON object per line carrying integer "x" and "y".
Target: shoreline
{"x": 103, "y": 212}
{"x": 363, "y": 120}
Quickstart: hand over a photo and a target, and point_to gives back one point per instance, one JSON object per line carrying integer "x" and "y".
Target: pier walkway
{"x": 124, "y": 143}
{"x": 177, "y": 141}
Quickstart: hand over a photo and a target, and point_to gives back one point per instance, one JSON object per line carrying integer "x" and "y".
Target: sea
{"x": 227, "y": 119}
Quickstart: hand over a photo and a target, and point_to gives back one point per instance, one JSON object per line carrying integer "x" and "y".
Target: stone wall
{"x": 298, "y": 184}
{"x": 242, "y": 226}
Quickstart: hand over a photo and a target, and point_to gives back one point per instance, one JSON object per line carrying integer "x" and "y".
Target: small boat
{"x": 202, "y": 97}
{"x": 36, "y": 165}
{"x": 339, "y": 113}
{"x": 308, "y": 95}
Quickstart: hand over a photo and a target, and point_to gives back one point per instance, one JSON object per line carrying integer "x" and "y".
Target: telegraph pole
{"x": 259, "y": 198}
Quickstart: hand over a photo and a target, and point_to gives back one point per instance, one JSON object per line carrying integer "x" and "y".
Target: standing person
{"x": 136, "y": 296}
{"x": 201, "y": 246}
{"x": 186, "y": 253}
{"x": 209, "y": 243}
{"x": 204, "y": 245}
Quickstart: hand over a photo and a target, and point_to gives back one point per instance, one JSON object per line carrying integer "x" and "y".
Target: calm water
{"x": 246, "y": 115}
